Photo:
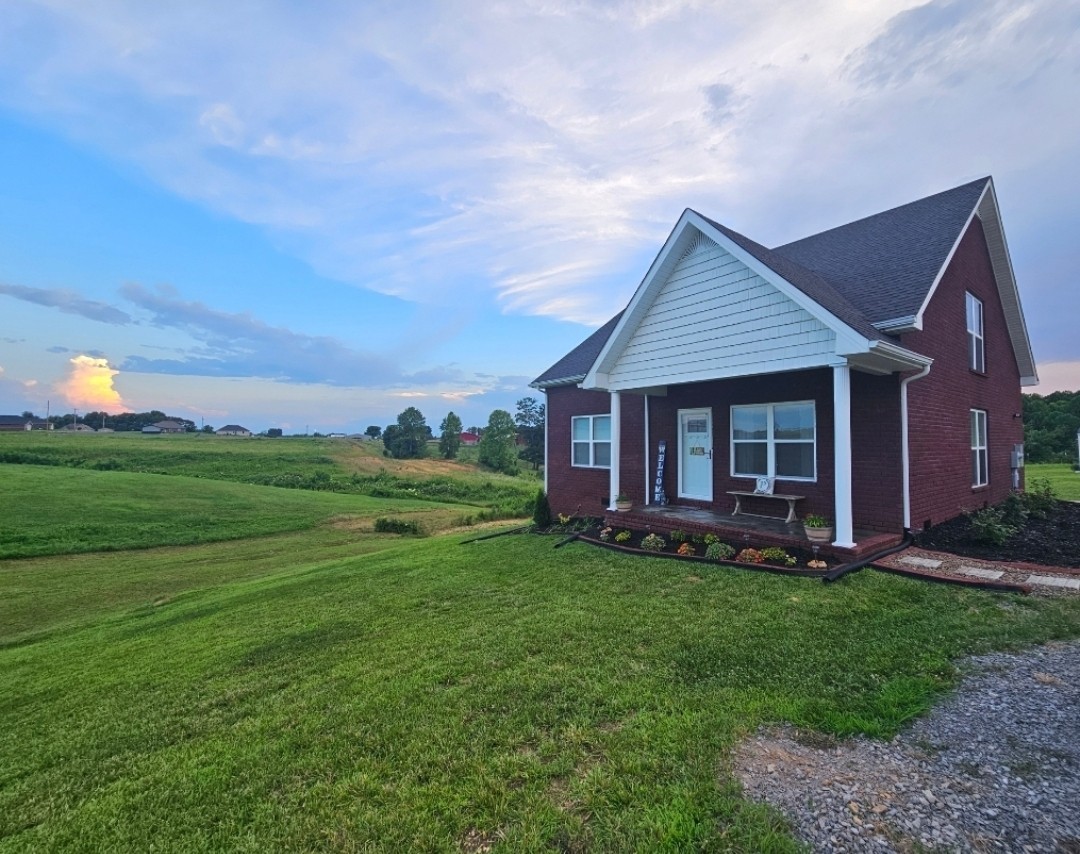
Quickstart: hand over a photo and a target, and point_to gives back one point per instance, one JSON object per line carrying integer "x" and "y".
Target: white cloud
{"x": 427, "y": 153}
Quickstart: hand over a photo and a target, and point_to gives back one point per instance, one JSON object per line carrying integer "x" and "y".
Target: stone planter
{"x": 822, "y": 536}
{"x": 624, "y": 505}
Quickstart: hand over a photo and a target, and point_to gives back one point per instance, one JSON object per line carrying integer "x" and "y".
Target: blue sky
{"x": 288, "y": 214}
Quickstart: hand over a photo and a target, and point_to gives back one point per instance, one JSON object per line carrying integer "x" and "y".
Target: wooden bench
{"x": 790, "y": 499}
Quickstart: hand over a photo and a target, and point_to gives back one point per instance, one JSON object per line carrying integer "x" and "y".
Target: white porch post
{"x": 845, "y": 528}
{"x": 546, "y": 466}
{"x": 616, "y": 443}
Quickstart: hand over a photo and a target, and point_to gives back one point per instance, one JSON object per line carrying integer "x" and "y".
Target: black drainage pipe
{"x": 496, "y": 534}
{"x": 569, "y": 539}
{"x": 840, "y": 571}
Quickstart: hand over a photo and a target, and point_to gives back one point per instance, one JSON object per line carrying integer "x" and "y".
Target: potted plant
{"x": 818, "y": 529}
{"x": 622, "y": 502}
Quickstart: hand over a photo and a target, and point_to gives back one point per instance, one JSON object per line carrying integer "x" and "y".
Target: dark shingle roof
{"x": 885, "y": 264}
{"x": 575, "y": 364}
{"x": 874, "y": 269}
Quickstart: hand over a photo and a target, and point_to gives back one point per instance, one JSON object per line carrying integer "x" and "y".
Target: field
{"x": 329, "y": 465}
{"x": 304, "y": 683}
{"x": 1065, "y": 482}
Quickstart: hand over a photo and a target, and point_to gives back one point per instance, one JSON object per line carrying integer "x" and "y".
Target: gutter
{"x": 905, "y": 451}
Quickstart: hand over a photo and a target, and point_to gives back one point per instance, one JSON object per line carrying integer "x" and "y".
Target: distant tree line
{"x": 505, "y": 440}
{"x": 1050, "y": 425}
{"x": 131, "y": 421}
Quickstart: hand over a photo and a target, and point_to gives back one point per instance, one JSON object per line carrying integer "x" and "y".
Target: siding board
{"x": 713, "y": 314}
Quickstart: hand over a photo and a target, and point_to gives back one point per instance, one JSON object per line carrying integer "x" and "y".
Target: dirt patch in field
{"x": 1052, "y": 541}
{"x": 359, "y": 459}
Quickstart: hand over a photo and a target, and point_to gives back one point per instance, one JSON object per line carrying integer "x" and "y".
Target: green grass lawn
{"x": 49, "y": 510}
{"x": 389, "y": 695}
{"x": 1065, "y": 482}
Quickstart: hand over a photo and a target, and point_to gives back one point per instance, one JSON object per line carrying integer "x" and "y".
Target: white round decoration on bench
{"x": 764, "y": 486}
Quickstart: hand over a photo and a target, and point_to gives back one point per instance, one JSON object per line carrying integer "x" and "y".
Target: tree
{"x": 409, "y": 439}
{"x": 1050, "y": 425}
{"x": 497, "y": 447}
{"x": 274, "y": 432}
{"x": 374, "y": 431}
{"x": 530, "y": 423}
{"x": 207, "y": 428}
{"x": 450, "y": 436}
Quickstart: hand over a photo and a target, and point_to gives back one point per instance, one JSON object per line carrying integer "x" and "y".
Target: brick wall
{"x": 939, "y": 405}
{"x": 585, "y": 491}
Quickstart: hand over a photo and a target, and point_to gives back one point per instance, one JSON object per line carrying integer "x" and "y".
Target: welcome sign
{"x": 658, "y": 487}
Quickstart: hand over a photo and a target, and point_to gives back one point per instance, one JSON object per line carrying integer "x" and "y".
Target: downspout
{"x": 648, "y": 482}
{"x": 905, "y": 453}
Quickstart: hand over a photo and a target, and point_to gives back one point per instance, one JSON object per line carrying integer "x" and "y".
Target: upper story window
{"x": 980, "y": 464}
{"x": 591, "y": 440}
{"x": 775, "y": 440}
{"x": 976, "y": 345}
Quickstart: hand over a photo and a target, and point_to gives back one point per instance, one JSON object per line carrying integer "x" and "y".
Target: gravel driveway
{"x": 994, "y": 767}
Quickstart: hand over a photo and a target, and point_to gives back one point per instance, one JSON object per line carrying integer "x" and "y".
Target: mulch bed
{"x": 1053, "y": 541}
{"x": 633, "y": 546}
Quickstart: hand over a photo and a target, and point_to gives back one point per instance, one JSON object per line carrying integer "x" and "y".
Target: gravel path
{"x": 995, "y": 767}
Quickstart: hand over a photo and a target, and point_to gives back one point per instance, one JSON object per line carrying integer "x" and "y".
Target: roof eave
{"x": 538, "y": 384}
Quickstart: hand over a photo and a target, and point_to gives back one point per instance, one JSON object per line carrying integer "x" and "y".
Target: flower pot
{"x": 623, "y": 505}
{"x": 819, "y": 535}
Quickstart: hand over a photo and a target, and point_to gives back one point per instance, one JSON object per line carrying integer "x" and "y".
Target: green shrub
{"x": 1039, "y": 499}
{"x": 710, "y": 539}
{"x": 622, "y": 537}
{"x": 990, "y": 526}
{"x": 717, "y": 550}
{"x": 775, "y": 554}
{"x": 542, "y": 510}
{"x": 396, "y": 526}
{"x": 653, "y": 543}
{"x": 678, "y": 536}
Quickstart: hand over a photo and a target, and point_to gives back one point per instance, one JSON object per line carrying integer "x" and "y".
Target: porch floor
{"x": 743, "y": 529}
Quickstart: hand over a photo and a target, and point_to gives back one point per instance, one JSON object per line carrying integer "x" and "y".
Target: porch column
{"x": 616, "y": 443}
{"x": 845, "y": 528}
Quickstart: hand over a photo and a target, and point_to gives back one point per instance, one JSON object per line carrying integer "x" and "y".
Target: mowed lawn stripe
{"x": 434, "y": 696}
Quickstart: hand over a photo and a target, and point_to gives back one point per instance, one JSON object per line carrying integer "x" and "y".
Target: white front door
{"x": 695, "y": 454}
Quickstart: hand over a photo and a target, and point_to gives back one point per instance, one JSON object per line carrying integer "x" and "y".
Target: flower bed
{"x": 707, "y": 548}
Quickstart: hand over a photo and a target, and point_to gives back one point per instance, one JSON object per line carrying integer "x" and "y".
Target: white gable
{"x": 712, "y": 318}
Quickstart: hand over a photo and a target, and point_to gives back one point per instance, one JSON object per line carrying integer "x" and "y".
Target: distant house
{"x": 11, "y": 423}
{"x": 874, "y": 369}
{"x": 168, "y": 427}
{"x": 470, "y": 439}
{"x": 233, "y": 430}
{"x": 151, "y": 429}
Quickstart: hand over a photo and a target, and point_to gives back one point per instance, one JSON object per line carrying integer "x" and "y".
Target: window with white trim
{"x": 775, "y": 440}
{"x": 980, "y": 461}
{"x": 976, "y": 344}
{"x": 591, "y": 441}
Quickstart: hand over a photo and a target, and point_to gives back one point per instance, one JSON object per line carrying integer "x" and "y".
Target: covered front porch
{"x": 743, "y": 530}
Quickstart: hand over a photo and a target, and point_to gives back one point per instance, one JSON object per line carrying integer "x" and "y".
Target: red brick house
{"x": 874, "y": 370}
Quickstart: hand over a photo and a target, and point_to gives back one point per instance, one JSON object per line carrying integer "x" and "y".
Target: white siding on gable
{"x": 716, "y": 318}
